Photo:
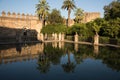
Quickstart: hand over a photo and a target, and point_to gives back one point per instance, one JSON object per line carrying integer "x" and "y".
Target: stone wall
{"x": 90, "y": 16}
{"x": 17, "y": 20}
{"x": 21, "y": 21}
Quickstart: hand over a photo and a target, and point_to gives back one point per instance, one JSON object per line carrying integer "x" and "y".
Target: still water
{"x": 59, "y": 61}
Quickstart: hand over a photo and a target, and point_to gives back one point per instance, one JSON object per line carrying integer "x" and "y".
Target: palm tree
{"x": 79, "y": 15}
{"x": 42, "y": 9}
{"x": 69, "y": 5}
{"x": 69, "y": 66}
{"x": 43, "y": 63}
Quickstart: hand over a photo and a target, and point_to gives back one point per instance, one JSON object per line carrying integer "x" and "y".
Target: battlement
{"x": 18, "y": 15}
{"x": 92, "y": 12}
{"x": 95, "y": 14}
{"x": 20, "y": 21}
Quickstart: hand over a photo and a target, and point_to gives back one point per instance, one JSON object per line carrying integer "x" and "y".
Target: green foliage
{"x": 54, "y": 29}
{"x": 69, "y": 5}
{"x": 112, "y": 28}
{"x": 55, "y": 17}
{"x": 95, "y": 25}
{"x": 42, "y": 9}
{"x": 81, "y": 29}
{"x": 79, "y": 15}
{"x": 112, "y": 11}
{"x": 104, "y": 40}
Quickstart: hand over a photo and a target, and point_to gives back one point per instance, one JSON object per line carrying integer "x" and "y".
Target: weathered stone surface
{"x": 88, "y": 16}
{"x": 96, "y": 39}
{"x": 76, "y": 37}
{"x": 20, "y": 21}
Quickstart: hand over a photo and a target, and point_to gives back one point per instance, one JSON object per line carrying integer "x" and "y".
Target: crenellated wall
{"x": 17, "y": 20}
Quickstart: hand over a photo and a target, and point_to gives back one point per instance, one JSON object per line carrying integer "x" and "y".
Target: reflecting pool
{"x": 59, "y": 61}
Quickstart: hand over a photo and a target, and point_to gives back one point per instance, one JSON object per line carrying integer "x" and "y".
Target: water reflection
{"x": 68, "y": 66}
{"x": 96, "y": 49}
{"x": 60, "y": 57}
{"x": 43, "y": 63}
{"x": 20, "y": 52}
{"x": 76, "y": 47}
{"x": 19, "y": 48}
{"x": 54, "y": 53}
{"x": 110, "y": 57}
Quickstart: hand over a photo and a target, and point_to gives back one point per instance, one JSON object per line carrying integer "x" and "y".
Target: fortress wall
{"x": 13, "y": 20}
{"x": 90, "y": 16}
{"x": 17, "y": 20}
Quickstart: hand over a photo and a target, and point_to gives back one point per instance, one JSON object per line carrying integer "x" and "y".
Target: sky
{"x": 28, "y": 6}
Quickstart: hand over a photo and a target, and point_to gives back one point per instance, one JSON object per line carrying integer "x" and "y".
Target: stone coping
{"x": 87, "y": 43}
{"x": 47, "y": 41}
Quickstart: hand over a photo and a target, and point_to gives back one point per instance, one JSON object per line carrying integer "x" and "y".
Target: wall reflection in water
{"x": 20, "y": 52}
{"x": 53, "y": 53}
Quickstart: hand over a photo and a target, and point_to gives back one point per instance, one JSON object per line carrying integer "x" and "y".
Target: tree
{"x": 81, "y": 29}
{"x": 112, "y": 11}
{"x": 95, "y": 25}
{"x": 79, "y": 15}
{"x": 55, "y": 17}
{"x": 69, "y": 5}
{"x": 42, "y": 9}
{"x": 112, "y": 28}
{"x": 49, "y": 29}
{"x": 112, "y": 14}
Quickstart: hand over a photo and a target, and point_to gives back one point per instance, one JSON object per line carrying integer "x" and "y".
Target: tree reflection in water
{"x": 55, "y": 62}
{"x": 53, "y": 55}
{"x": 69, "y": 66}
{"x": 111, "y": 57}
{"x": 50, "y": 55}
{"x": 43, "y": 63}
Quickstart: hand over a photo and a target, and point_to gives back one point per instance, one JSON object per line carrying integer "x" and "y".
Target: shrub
{"x": 58, "y": 28}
